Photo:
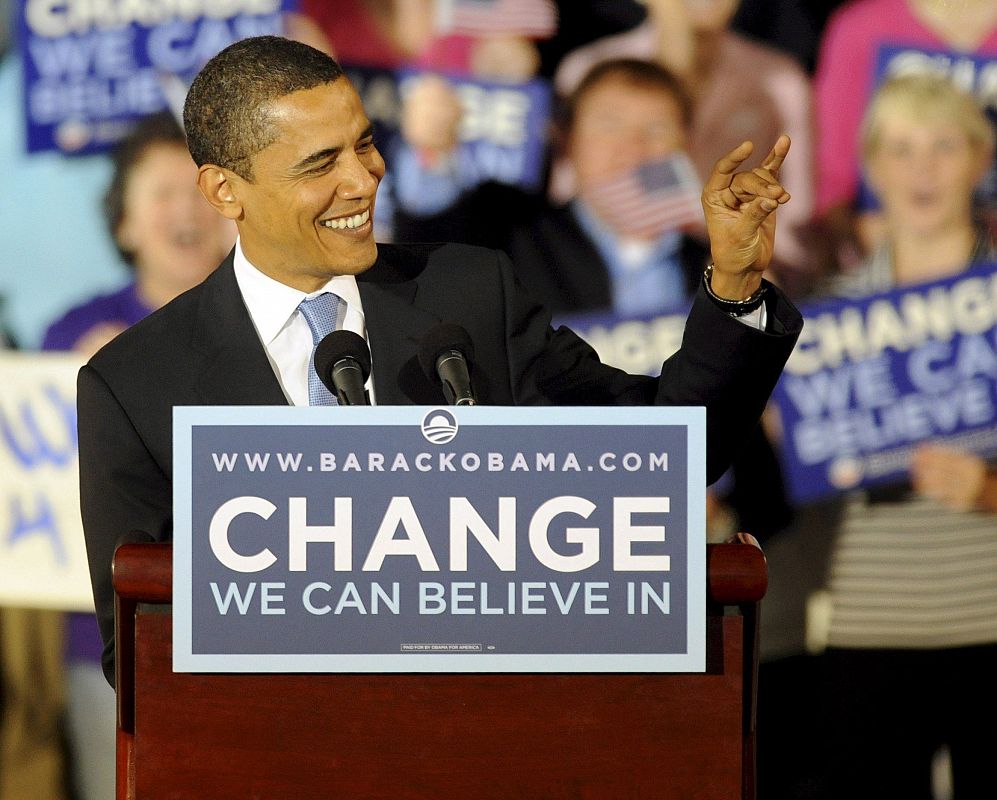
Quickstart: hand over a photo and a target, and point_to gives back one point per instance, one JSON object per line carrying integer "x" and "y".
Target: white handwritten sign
{"x": 43, "y": 561}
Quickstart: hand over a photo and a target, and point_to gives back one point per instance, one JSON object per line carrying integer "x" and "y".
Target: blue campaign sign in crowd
{"x": 636, "y": 343}
{"x": 871, "y": 379}
{"x": 91, "y": 69}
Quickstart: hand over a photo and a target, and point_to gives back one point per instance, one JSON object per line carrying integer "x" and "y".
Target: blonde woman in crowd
{"x": 949, "y": 34}
{"x": 913, "y": 575}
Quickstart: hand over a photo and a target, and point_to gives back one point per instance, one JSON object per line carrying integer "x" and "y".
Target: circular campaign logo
{"x": 439, "y": 426}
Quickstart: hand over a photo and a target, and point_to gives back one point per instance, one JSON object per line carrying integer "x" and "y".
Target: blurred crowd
{"x": 575, "y": 135}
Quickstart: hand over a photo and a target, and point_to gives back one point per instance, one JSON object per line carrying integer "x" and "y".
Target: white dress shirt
{"x": 286, "y": 337}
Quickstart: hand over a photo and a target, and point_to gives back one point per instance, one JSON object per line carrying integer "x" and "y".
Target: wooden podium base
{"x": 508, "y": 736}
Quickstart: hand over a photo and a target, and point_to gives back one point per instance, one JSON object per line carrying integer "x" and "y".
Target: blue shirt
{"x": 648, "y": 282}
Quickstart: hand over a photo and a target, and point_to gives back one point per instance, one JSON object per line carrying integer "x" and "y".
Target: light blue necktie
{"x": 324, "y": 314}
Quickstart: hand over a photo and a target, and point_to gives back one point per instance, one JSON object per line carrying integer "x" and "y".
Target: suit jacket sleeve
{"x": 723, "y": 364}
{"x": 122, "y": 490}
{"x": 731, "y": 369}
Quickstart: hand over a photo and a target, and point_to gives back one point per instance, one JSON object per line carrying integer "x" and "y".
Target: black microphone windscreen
{"x": 337, "y": 346}
{"x": 438, "y": 340}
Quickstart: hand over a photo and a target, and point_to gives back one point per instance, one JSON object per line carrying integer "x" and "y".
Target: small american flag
{"x": 536, "y": 19}
{"x": 650, "y": 199}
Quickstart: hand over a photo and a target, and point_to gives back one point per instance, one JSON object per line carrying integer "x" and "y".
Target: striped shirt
{"x": 913, "y": 574}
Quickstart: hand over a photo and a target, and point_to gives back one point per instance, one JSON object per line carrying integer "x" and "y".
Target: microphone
{"x": 342, "y": 361}
{"x": 444, "y": 356}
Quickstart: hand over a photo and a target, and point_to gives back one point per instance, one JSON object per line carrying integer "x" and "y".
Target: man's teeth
{"x": 348, "y": 222}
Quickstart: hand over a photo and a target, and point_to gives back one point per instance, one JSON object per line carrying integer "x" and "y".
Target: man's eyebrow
{"x": 316, "y": 158}
{"x": 320, "y": 156}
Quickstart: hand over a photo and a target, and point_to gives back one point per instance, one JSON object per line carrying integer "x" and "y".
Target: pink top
{"x": 356, "y": 39}
{"x": 844, "y": 81}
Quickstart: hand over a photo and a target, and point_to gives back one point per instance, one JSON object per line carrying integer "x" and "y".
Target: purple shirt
{"x": 123, "y": 307}
{"x": 83, "y": 642}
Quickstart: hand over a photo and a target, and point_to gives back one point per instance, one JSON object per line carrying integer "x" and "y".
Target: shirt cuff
{"x": 757, "y": 319}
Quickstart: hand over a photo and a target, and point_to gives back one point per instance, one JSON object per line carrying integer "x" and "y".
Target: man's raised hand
{"x": 740, "y": 218}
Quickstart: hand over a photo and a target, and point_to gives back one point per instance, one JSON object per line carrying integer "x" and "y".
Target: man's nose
{"x": 358, "y": 181}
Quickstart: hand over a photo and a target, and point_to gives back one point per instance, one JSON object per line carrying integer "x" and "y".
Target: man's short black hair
{"x": 636, "y": 72}
{"x": 227, "y": 112}
{"x": 156, "y": 130}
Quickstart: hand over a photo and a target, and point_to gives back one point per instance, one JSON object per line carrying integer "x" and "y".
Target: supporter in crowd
{"x": 625, "y": 115}
{"x": 597, "y": 252}
{"x": 731, "y": 102}
{"x": 855, "y": 37}
{"x": 171, "y": 239}
{"x": 912, "y": 639}
{"x": 162, "y": 228}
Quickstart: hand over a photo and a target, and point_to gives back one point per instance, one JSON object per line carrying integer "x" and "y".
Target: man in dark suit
{"x": 285, "y": 150}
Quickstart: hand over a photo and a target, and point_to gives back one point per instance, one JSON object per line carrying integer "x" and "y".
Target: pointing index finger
{"x": 723, "y": 170}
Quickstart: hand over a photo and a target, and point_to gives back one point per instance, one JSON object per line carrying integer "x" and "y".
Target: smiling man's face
{"x": 307, "y": 214}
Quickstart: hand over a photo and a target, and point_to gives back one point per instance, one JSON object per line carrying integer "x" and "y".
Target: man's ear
{"x": 220, "y": 188}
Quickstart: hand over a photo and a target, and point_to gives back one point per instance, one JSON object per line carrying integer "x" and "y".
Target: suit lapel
{"x": 395, "y": 329}
{"x": 234, "y": 368}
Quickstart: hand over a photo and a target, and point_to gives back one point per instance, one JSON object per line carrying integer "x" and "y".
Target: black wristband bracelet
{"x": 736, "y": 307}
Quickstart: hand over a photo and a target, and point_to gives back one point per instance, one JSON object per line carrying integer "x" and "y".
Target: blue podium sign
{"x": 419, "y": 539}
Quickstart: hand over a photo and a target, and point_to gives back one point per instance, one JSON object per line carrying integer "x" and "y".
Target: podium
{"x": 399, "y": 736}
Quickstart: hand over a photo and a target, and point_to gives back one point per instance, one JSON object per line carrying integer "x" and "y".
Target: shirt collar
{"x": 272, "y": 304}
